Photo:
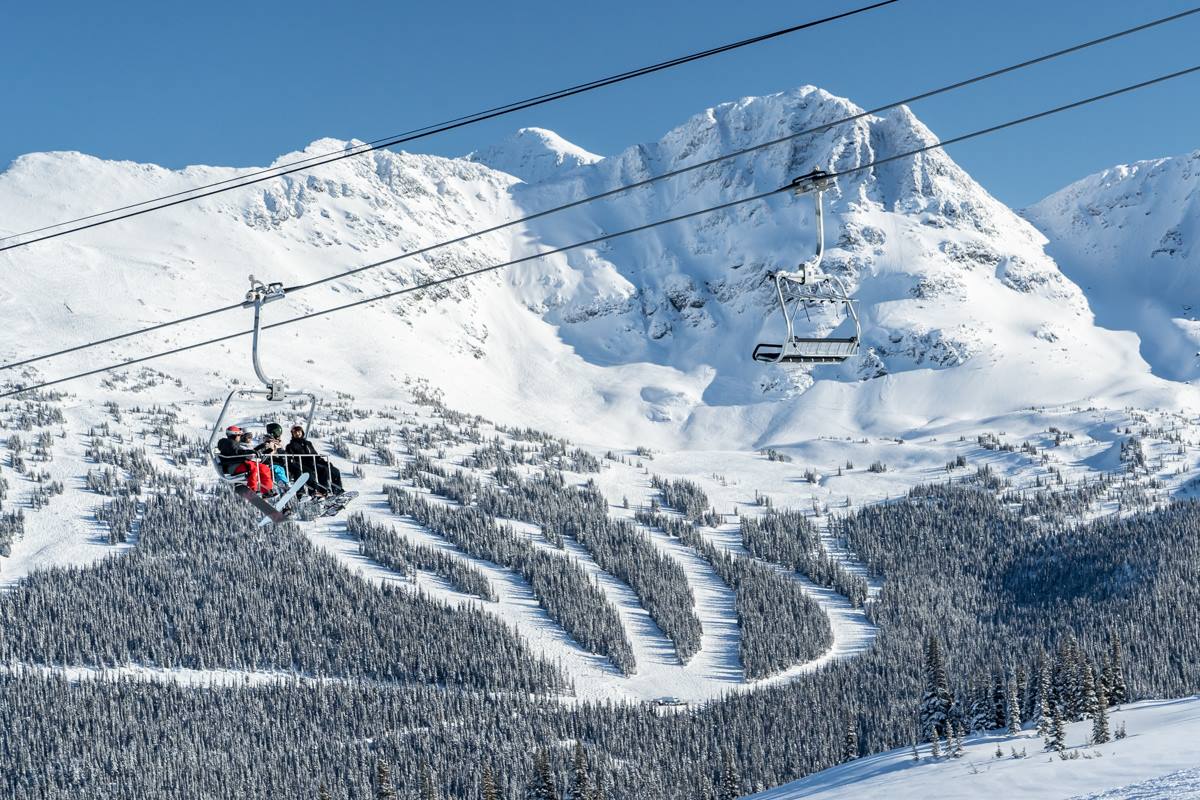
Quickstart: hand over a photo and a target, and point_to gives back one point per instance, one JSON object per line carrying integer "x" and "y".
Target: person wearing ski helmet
{"x": 270, "y": 450}
{"x": 324, "y": 478}
{"x": 236, "y": 458}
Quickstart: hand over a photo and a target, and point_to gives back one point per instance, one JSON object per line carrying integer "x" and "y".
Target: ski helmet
{"x": 233, "y": 430}
{"x": 274, "y": 430}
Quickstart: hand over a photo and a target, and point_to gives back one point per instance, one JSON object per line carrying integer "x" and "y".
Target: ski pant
{"x": 321, "y": 474}
{"x": 258, "y": 476}
{"x": 281, "y": 476}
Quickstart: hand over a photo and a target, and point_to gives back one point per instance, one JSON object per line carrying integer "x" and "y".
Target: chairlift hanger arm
{"x": 259, "y": 295}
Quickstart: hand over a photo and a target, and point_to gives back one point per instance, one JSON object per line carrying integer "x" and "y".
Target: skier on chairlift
{"x": 271, "y": 451}
{"x": 325, "y": 478}
{"x": 237, "y": 458}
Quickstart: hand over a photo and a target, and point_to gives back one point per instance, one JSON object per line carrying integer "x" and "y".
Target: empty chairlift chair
{"x": 807, "y": 288}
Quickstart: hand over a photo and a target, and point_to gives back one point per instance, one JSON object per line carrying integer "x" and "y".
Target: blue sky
{"x": 239, "y": 83}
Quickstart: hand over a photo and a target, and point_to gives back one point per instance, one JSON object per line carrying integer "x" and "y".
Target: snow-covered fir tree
{"x": 979, "y": 713}
{"x": 488, "y": 790}
{"x": 1014, "y": 706}
{"x": 581, "y": 784}
{"x": 731, "y": 780}
{"x": 850, "y": 741}
{"x": 1118, "y": 692}
{"x": 1046, "y": 706}
{"x": 1100, "y": 732}
{"x": 543, "y": 786}
{"x": 937, "y": 700}
{"x": 428, "y": 790}
{"x": 999, "y": 702}
{"x": 384, "y": 789}
{"x": 1088, "y": 695}
{"x": 1057, "y": 739}
{"x": 954, "y": 747}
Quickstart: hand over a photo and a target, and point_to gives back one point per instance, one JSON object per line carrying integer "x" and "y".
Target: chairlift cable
{"x": 300, "y": 165}
{"x": 608, "y": 236}
{"x": 627, "y": 187}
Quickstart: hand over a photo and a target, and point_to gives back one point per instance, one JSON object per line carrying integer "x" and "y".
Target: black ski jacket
{"x": 233, "y": 453}
{"x": 301, "y": 447}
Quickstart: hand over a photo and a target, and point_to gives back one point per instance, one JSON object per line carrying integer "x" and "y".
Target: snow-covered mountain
{"x": 646, "y": 338}
{"x": 1130, "y": 236}
{"x": 534, "y": 155}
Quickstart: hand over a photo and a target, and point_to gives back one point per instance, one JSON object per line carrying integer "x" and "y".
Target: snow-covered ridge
{"x": 1129, "y": 235}
{"x": 534, "y": 155}
{"x": 645, "y": 337}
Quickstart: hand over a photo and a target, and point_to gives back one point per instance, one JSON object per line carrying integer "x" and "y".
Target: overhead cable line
{"x": 609, "y": 236}
{"x": 238, "y": 182}
{"x": 628, "y": 187}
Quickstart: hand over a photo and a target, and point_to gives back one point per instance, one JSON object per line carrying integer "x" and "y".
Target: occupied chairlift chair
{"x": 807, "y": 287}
{"x": 276, "y": 392}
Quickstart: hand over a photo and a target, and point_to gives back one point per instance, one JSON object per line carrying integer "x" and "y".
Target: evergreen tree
{"x": 1089, "y": 697}
{"x": 850, "y": 742}
{"x": 581, "y": 784}
{"x": 599, "y": 793}
{"x": 999, "y": 704}
{"x": 1100, "y": 733}
{"x": 1059, "y": 692}
{"x": 1014, "y": 706}
{"x": 543, "y": 787}
{"x": 935, "y": 747}
{"x": 955, "y": 746}
{"x": 1118, "y": 693}
{"x": 1105, "y": 682}
{"x": 323, "y": 793}
{"x": 937, "y": 700}
{"x": 1046, "y": 703}
{"x": 428, "y": 791}
{"x": 979, "y": 714}
{"x": 384, "y": 790}
{"x": 1023, "y": 685}
{"x": 487, "y": 785}
{"x": 1057, "y": 740}
{"x": 731, "y": 780}
{"x": 1073, "y": 681}
{"x": 1036, "y": 691}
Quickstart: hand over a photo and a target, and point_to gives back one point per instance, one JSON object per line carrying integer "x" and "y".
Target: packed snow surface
{"x": 1156, "y": 761}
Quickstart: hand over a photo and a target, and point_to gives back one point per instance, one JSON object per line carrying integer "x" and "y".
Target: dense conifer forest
{"x": 959, "y": 567}
{"x": 997, "y": 608}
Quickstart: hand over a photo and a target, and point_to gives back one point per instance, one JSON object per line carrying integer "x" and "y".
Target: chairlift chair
{"x": 275, "y": 392}
{"x": 806, "y": 288}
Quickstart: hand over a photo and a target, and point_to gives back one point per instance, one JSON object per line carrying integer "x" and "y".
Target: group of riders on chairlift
{"x": 270, "y": 465}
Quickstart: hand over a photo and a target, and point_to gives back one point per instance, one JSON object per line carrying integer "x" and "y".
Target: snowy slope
{"x": 534, "y": 155}
{"x": 1130, "y": 237}
{"x": 1156, "y": 760}
{"x": 641, "y": 340}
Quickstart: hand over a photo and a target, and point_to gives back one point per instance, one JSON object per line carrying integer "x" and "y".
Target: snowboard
{"x": 272, "y": 514}
{"x": 253, "y": 498}
{"x": 334, "y": 505}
